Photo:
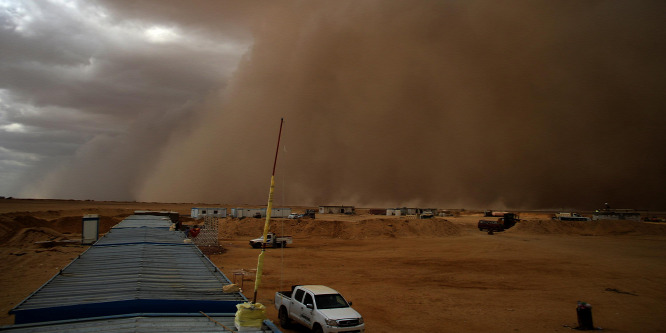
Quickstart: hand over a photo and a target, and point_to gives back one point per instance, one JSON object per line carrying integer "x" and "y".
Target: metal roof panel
{"x": 140, "y": 264}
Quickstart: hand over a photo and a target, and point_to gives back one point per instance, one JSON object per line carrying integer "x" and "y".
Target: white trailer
{"x": 396, "y": 212}
{"x": 337, "y": 210}
{"x": 199, "y": 212}
{"x": 280, "y": 212}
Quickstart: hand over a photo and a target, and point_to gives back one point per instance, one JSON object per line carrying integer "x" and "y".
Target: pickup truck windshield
{"x": 330, "y": 301}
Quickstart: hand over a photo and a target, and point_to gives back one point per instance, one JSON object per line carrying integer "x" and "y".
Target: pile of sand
{"x": 29, "y": 237}
{"x": 250, "y": 227}
{"x": 588, "y": 228}
{"x": 14, "y": 226}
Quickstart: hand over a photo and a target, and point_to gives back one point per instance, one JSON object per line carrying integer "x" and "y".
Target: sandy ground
{"x": 403, "y": 275}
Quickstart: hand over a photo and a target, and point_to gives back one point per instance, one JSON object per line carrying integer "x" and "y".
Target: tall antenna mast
{"x": 260, "y": 262}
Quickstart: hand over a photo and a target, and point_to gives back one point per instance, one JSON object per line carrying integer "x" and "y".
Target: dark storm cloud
{"x": 450, "y": 104}
{"x": 83, "y": 90}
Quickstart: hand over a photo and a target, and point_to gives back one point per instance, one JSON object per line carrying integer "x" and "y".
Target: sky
{"x": 446, "y": 104}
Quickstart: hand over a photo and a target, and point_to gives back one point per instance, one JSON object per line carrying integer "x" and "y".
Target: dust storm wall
{"x": 453, "y": 104}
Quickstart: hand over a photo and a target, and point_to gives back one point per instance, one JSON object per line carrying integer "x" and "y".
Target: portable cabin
{"x": 337, "y": 210}
{"x": 393, "y": 211}
{"x": 199, "y": 212}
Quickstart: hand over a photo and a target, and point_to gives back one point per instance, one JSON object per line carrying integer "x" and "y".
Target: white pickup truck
{"x": 272, "y": 241}
{"x": 319, "y": 308}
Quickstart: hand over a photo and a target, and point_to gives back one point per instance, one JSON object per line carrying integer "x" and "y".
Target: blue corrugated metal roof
{"x": 140, "y": 266}
{"x": 144, "y": 221}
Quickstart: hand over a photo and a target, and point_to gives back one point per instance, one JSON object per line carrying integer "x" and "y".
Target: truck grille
{"x": 347, "y": 322}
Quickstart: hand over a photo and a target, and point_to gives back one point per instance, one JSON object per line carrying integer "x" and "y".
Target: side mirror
{"x": 309, "y": 306}
{"x": 350, "y": 303}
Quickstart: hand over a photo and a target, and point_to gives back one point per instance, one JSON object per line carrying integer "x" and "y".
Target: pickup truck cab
{"x": 319, "y": 308}
{"x": 272, "y": 241}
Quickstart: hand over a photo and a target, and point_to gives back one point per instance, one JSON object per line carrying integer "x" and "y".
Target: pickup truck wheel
{"x": 285, "y": 322}
{"x": 317, "y": 329}
{"x": 256, "y": 246}
{"x": 284, "y": 244}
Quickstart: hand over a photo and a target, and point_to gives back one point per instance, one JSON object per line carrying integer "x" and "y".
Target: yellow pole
{"x": 260, "y": 261}
{"x": 269, "y": 208}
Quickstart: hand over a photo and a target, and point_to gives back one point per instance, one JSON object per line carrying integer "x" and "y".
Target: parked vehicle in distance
{"x": 319, "y": 308}
{"x": 272, "y": 241}
{"x": 310, "y": 213}
{"x": 427, "y": 215}
{"x": 501, "y": 224}
{"x": 490, "y": 226}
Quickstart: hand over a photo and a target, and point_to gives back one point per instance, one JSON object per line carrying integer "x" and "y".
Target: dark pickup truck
{"x": 503, "y": 223}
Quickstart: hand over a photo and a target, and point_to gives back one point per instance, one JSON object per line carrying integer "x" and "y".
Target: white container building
{"x": 200, "y": 212}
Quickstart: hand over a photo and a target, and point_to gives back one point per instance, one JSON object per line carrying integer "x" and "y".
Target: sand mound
{"x": 231, "y": 228}
{"x": 27, "y": 237}
{"x": 588, "y": 228}
{"x": 11, "y": 224}
{"x": 68, "y": 224}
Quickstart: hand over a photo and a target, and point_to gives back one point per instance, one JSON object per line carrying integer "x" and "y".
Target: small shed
{"x": 337, "y": 210}
{"x": 90, "y": 229}
{"x": 199, "y": 212}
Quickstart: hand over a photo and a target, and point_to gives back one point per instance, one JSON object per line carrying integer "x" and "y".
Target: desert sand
{"x": 402, "y": 274}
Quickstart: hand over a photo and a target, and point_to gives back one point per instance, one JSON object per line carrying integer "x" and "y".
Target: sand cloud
{"x": 447, "y": 104}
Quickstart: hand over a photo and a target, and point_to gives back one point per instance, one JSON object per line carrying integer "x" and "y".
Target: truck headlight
{"x": 331, "y": 322}
{"x": 360, "y": 320}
